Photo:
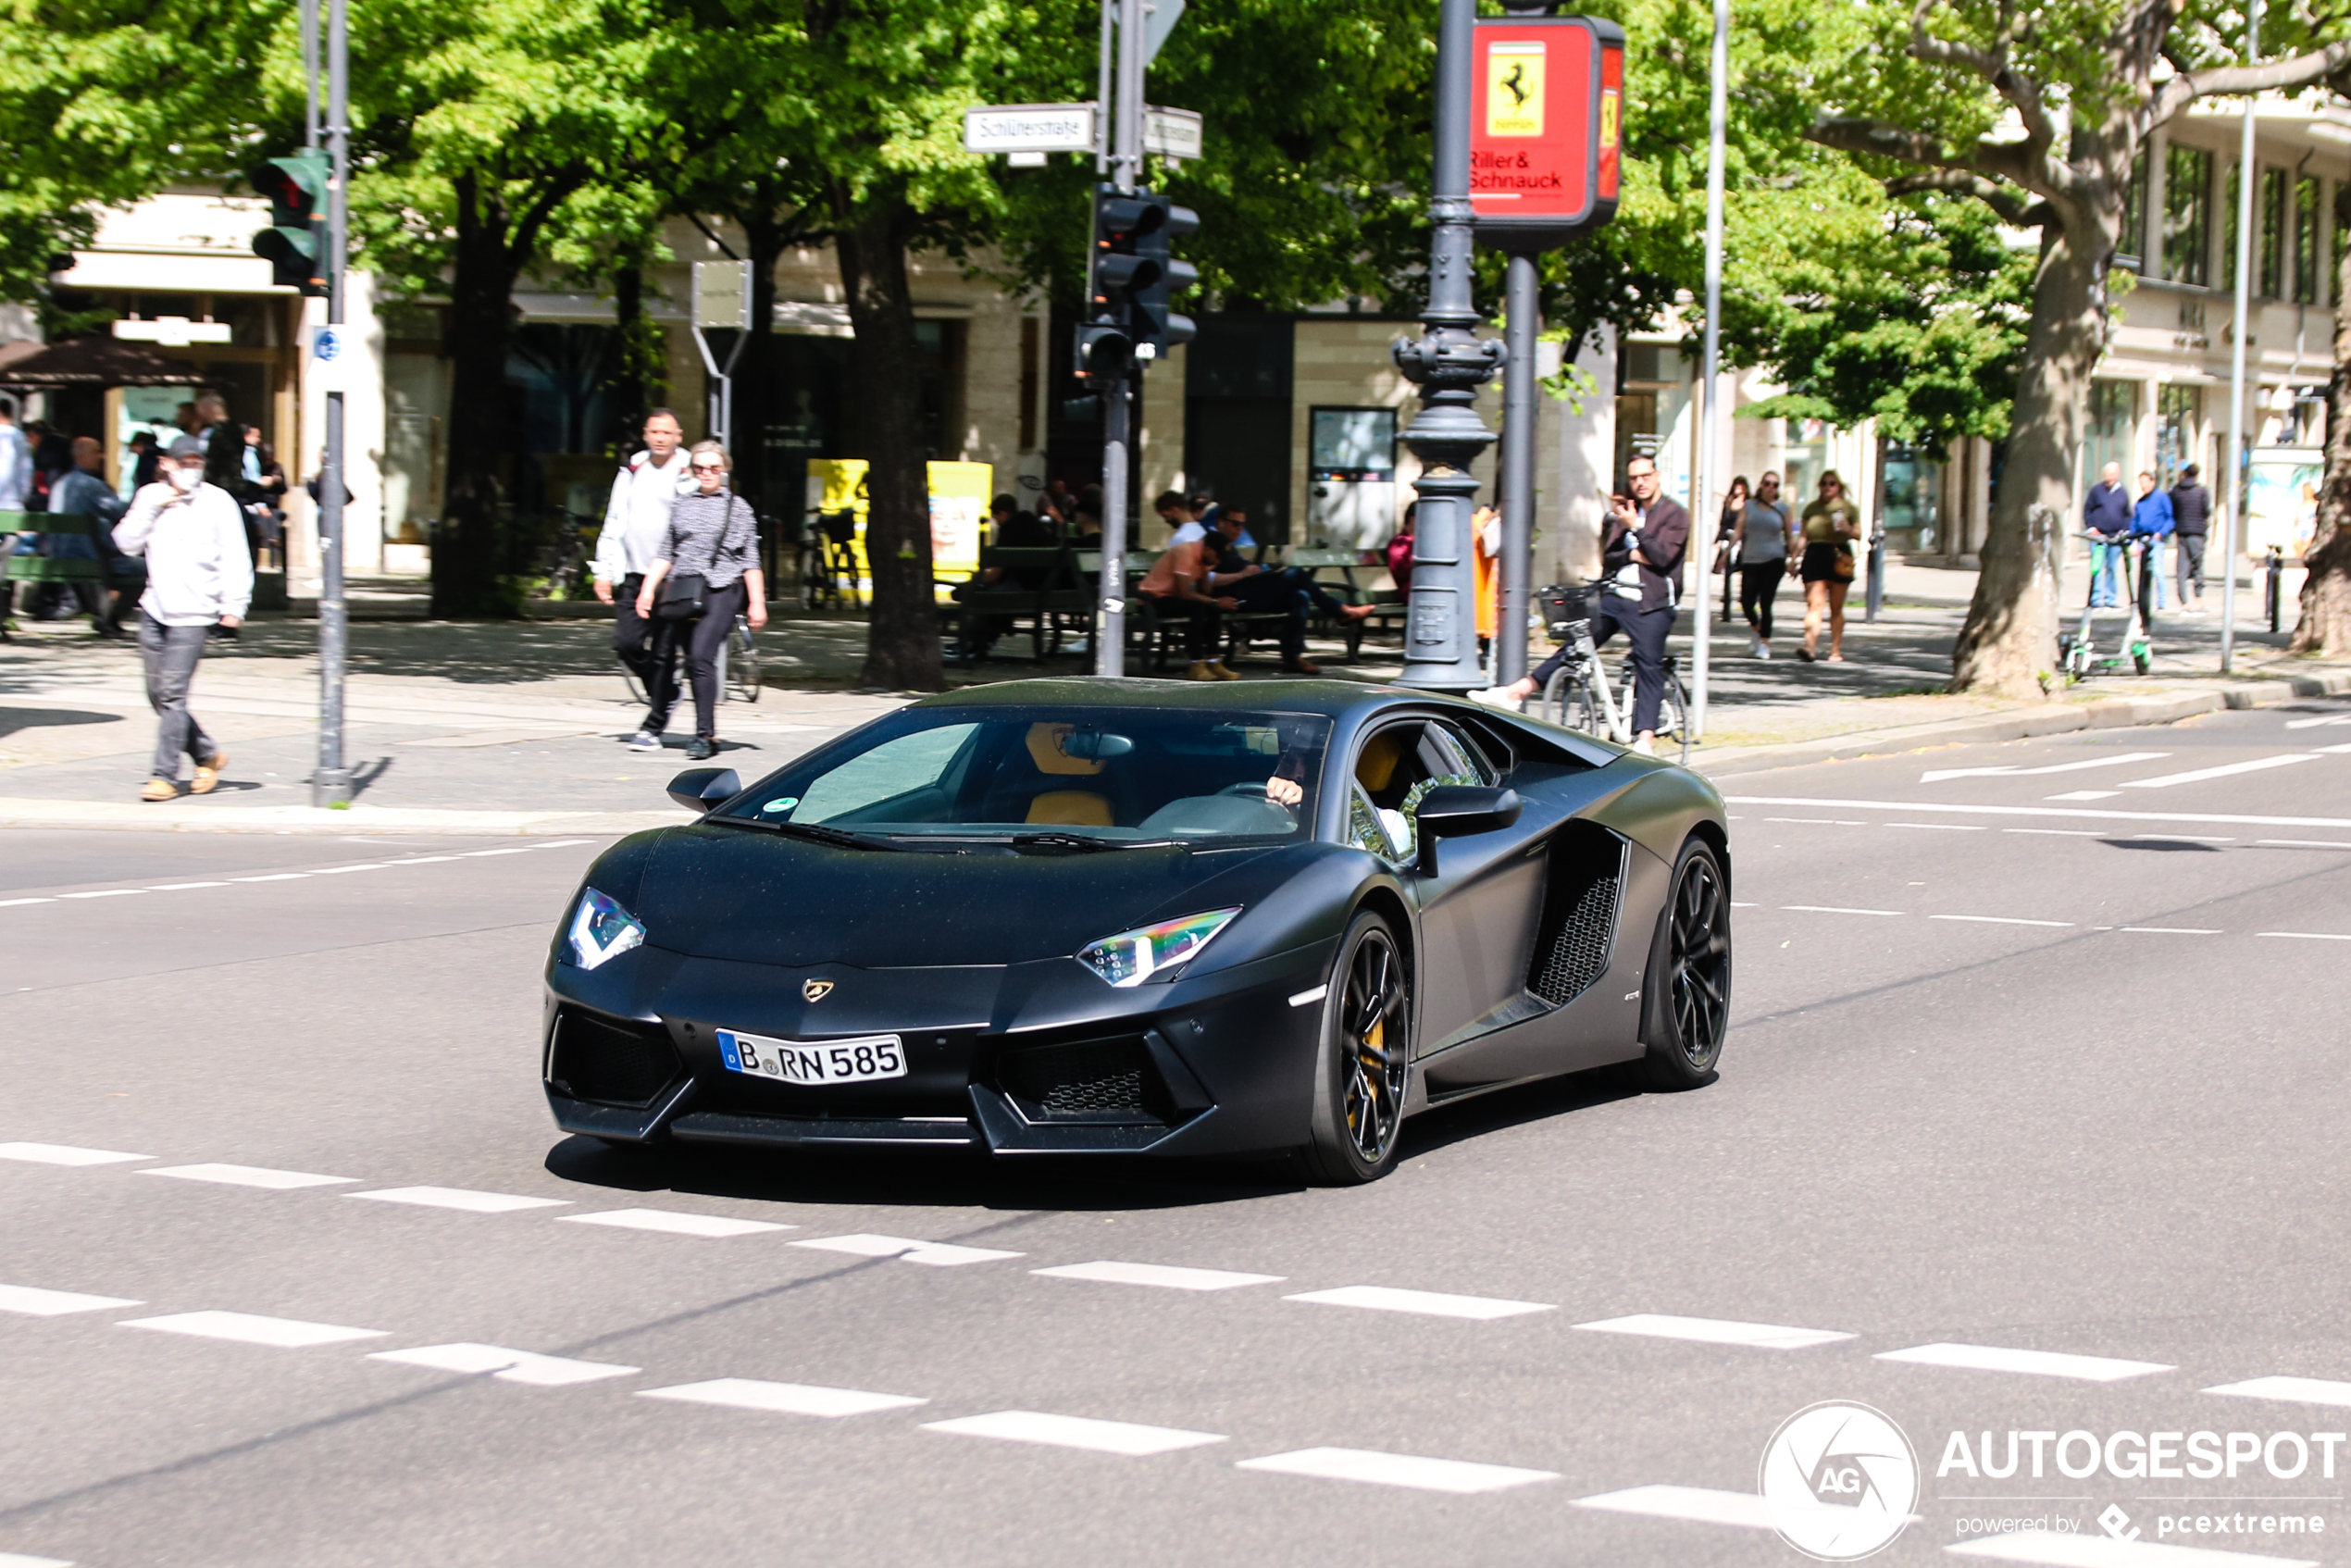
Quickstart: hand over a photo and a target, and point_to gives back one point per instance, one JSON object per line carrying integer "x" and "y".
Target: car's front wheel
{"x": 1364, "y": 1062}
{"x": 1693, "y": 966}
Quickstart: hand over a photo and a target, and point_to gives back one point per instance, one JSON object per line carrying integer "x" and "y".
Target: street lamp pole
{"x": 1448, "y": 361}
{"x": 330, "y": 781}
{"x": 1519, "y": 405}
{"x": 1712, "y": 426}
{"x": 2234, "y": 486}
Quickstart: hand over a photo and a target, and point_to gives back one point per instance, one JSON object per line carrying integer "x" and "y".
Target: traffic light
{"x": 1129, "y": 277}
{"x": 295, "y": 243}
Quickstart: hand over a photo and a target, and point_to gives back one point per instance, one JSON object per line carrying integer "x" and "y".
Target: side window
{"x": 1395, "y": 768}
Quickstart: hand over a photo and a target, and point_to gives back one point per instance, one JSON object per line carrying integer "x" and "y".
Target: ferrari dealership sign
{"x": 1546, "y": 118}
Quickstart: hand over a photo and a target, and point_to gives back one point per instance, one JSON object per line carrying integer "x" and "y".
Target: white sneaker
{"x": 644, "y": 741}
{"x": 1762, "y": 649}
{"x": 1497, "y": 697}
{"x": 1644, "y": 746}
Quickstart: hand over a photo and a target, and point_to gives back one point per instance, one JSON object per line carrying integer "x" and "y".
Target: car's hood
{"x": 758, "y": 897}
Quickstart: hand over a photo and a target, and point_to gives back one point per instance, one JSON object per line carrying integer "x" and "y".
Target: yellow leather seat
{"x": 1070, "y": 808}
{"x": 1376, "y": 767}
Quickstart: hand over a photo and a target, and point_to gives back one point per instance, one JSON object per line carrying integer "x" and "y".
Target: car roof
{"x": 1336, "y": 698}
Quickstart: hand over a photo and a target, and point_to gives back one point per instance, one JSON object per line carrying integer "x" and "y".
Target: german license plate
{"x": 822, "y": 1062}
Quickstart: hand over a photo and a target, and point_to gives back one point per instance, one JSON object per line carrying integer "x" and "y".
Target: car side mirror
{"x": 1457, "y": 811}
{"x": 699, "y": 789}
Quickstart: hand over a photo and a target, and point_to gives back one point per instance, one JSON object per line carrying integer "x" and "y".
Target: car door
{"x": 1477, "y": 911}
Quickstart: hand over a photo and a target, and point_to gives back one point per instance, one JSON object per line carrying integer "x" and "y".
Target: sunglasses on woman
{"x": 709, "y": 468}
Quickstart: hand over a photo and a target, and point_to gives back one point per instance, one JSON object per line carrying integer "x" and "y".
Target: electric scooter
{"x": 2078, "y": 656}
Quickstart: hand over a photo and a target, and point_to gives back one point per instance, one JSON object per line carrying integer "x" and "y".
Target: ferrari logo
{"x": 815, "y": 990}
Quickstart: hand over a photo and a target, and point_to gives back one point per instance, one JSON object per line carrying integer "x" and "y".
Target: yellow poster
{"x": 1514, "y": 88}
{"x": 959, "y": 497}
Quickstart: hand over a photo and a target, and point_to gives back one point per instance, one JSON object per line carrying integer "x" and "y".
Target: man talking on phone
{"x": 199, "y": 576}
{"x": 1641, "y": 555}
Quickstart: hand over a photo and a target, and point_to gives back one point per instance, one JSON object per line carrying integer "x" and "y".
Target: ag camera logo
{"x": 1840, "y": 1480}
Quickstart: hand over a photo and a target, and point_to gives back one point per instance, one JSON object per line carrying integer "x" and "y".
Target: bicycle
{"x": 738, "y": 669}
{"x": 1579, "y": 695}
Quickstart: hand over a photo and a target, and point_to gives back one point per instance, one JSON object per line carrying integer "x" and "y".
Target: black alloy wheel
{"x": 1365, "y": 1060}
{"x": 1696, "y": 1014}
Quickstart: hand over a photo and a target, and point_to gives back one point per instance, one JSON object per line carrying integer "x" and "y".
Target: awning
{"x": 91, "y": 362}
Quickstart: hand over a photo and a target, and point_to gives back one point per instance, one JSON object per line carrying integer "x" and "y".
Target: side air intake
{"x": 1579, "y": 912}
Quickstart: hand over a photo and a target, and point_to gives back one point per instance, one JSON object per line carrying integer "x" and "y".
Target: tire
{"x": 1691, "y": 962}
{"x": 1363, "y": 1064}
{"x": 1673, "y": 715}
{"x": 742, "y": 664}
{"x": 1554, "y": 702}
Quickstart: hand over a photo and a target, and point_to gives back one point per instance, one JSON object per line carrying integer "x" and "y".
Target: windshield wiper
{"x": 816, "y": 832}
{"x": 1086, "y": 843}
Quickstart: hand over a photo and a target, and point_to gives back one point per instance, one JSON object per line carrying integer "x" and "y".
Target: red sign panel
{"x": 1546, "y": 118}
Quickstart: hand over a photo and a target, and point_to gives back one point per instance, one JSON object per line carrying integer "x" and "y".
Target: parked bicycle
{"x": 738, "y": 669}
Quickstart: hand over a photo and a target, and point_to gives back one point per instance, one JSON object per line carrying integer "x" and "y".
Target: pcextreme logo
{"x": 1840, "y": 1481}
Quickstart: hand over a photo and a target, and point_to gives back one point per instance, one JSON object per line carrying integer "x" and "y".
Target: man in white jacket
{"x": 635, "y": 520}
{"x": 199, "y": 576}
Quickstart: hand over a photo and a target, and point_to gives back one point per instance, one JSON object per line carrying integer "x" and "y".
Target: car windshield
{"x": 1070, "y": 775}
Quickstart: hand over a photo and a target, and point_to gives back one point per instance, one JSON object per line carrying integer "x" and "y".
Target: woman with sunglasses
{"x": 712, "y": 535}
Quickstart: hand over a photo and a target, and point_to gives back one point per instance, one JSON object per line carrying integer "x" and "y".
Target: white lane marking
{"x": 2185, "y": 838}
{"x": 1307, "y": 998}
{"x": 2102, "y": 1552}
{"x": 2303, "y": 843}
{"x": 11, "y": 904}
{"x": 788, "y": 1399}
{"x": 425, "y": 860}
{"x": 2226, "y": 818}
{"x": 476, "y": 854}
{"x": 107, "y": 893}
{"x": 274, "y": 876}
{"x": 508, "y": 1367}
{"x": 1944, "y": 827}
{"x": 1936, "y": 776}
{"x": 182, "y": 887}
{"x": 2297, "y": 1390}
{"x": 1454, "y": 1476}
{"x": 2330, "y": 750}
{"x": 2059, "y": 832}
{"x": 2170, "y": 930}
{"x": 1160, "y": 1275}
{"x": 563, "y": 843}
{"x": 1701, "y": 1505}
{"x": 1075, "y": 1432}
{"x": 1833, "y": 909}
{"x": 937, "y": 1254}
{"x": 2309, "y": 935}
{"x": 459, "y": 1197}
{"x": 18, "y": 1559}
{"x": 1999, "y": 920}
{"x": 675, "y": 1223}
{"x": 1816, "y": 821}
{"x": 2039, "y": 1364}
{"x": 1736, "y": 904}
{"x": 1717, "y": 1331}
{"x": 247, "y": 1175}
{"x": 2318, "y": 723}
{"x": 2226, "y": 770}
{"x": 1428, "y": 1303}
{"x": 65, "y": 1154}
{"x": 249, "y": 1328}
{"x": 34, "y": 1302}
{"x": 2084, "y": 795}
{"x": 339, "y": 870}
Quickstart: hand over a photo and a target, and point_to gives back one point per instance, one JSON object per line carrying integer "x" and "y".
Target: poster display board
{"x": 2282, "y": 499}
{"x": 959, "y": 497}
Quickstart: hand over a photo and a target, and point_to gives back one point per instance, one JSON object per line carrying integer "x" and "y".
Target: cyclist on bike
{"x": 1641, "y": 554}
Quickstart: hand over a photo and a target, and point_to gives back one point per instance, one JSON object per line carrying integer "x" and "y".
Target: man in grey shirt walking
{"x": 199, "y": 576}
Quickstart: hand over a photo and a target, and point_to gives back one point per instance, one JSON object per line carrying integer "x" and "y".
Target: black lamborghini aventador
{"x": 1083, "y": 916}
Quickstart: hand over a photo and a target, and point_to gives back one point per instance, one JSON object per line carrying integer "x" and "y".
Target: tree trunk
{"x": 777, "y": 494}
{"x": 901, "y": 647}
{"x": 469, "y": 547}
{"x": 2325, "y": 628}
{"x": 2009, "y": 643}
{"x": 629, "y": 325}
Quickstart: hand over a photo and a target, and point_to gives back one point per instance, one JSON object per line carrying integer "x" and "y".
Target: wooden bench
{"x": 39, "y": 550}
{"x": 1059, "y": 601}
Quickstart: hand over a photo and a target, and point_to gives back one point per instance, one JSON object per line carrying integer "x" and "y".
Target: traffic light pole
{"x": 1118, "y": 398}
{"x": 1449, "y": 362}
{"x": 330, "y": 782}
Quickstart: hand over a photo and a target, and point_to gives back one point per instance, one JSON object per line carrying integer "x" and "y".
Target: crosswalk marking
{"x": 65, "y": 1154}
{"x": 1397, "y": 1470}
{"x": 1159, "y": 1275}
{"x": 251, "y": 1328}
{"x": 2103, "y": 1551}
{"x": 34, "y": 1302}
{"x": 1428, "y": 1303}
{"x": 1075, "y": 1432}
{"x": 937, "y": 1253}
{"x": 459, "y": 1197}
{"x": 247, "y": 1175}
{"x": 1701, "y": 1505}
{"x": 674, "y": 1223}
{"x": 2235, "y": 818}
{"x": 1717, "y": 1331}
{"x": 2310, "y": 936}
{"x": 2298, "y": 1390}
{"x": 1999, "y": 920}
{"x": 1936, "y": 774}
{"x": 787, "y": 1398}
{"x": 508, "y": 1367}
{"x": 2226, "y": 770}
{"x": 2039, "y": 1364}
{"x": 18, "y": 1559}
{"x": 1833, "y": 909}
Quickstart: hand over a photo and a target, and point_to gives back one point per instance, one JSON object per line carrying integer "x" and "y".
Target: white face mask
{"x": 184, "y": 479}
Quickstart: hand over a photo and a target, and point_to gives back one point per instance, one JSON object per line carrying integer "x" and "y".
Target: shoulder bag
{"x": 684, "y": 596}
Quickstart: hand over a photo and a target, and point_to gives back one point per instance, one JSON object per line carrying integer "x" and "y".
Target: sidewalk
{"x": 516, "y": 727}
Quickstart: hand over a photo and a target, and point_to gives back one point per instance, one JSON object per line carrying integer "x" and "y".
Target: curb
{"x": 2047, "y": 719}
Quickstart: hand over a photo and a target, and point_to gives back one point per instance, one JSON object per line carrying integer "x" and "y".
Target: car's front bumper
{"x": 1022, "y": 1059}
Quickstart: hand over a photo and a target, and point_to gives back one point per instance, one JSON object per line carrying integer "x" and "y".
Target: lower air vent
{"x": 612, "y": 1063}
{"x": 1093, "y": 1081}
{"x": 1579, "y": 915}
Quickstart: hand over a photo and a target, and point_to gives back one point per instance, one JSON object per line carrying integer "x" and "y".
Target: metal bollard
{"x": 2270, "y": 589}
{"x": 1875, "y": 590}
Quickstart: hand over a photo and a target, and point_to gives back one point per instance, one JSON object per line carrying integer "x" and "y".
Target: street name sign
{"x": 722, "y": 294}
{"x": 1030, "y": 127}
{"x": 1172, "y": 133}
{"x": 1546, "y": 124}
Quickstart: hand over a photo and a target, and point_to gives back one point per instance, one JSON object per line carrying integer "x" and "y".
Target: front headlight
{"x": 1132, "y": 957}
{"x": 601, "y": 930}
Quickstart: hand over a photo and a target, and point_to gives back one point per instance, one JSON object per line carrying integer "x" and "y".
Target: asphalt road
{"x": 2033, "y": 1119}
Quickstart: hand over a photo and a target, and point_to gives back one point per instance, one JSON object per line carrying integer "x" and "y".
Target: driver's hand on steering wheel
{"x": 1284, "y": 791}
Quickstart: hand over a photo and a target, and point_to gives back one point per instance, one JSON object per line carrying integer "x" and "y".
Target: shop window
{"x": 2270, "y": 279}
{"x": 2114, "y": 411}
{"x": 2129, "y": 250}
{"x": 2306, "y": 240}
{"x": 2187, "y": 215}
{"x": 2179, "y": 418}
